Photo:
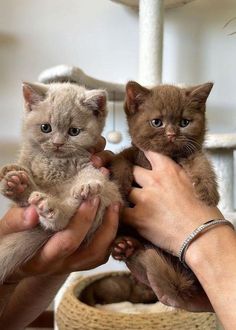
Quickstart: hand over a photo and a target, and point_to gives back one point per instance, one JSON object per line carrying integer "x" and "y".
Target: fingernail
{"x": 96, "y": 160}
{"x": 116, "y": 207}
{"x": 104, "y": 171}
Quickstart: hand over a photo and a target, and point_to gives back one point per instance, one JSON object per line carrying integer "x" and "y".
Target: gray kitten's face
{"x": 62, "y": 119}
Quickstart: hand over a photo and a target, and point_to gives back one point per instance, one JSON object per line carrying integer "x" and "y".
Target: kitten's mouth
{"x": 58, "y": 151}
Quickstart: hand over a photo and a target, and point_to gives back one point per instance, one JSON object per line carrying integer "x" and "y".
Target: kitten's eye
{"x": 73, "y": 131}
{"x": 184, "y": 122}
{"x": 46, "y": 128}
{"x": 156, "y": 122}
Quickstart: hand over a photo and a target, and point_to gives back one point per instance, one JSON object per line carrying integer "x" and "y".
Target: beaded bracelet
{"x": 196, "y": 232}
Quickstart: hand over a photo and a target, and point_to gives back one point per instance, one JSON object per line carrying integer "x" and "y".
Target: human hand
{"x": 65, "y": 253}
{"x": 99, "y": 156}
{"x": 18, "y": 219}
{"x": 166, "y": 209}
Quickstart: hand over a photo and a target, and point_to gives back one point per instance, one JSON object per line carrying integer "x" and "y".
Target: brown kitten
{"x": 169, "y": 120}
{"x": 117, "y": 288}
{"x": 54, "y": 172}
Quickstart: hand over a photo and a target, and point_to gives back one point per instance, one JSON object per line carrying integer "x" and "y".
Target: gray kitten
{"x": 54, "y": 173}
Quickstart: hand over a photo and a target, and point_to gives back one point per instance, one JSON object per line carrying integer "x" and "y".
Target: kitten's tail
{"x": 17, "y": 248}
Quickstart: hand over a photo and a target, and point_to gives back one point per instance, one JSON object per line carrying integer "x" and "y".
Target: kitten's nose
{"x": 171, "y": 137}
{"x": 58, "y": 145}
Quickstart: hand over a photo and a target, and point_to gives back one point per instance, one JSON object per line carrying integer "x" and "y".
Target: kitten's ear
{"x": 96, "y": 100}
{"x": 199, "y": 94}
{"x": 135, "y": 96}
{"x": 33, "y": 93}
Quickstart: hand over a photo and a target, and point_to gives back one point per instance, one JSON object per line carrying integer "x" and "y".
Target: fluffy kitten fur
{"x": 54, "y": 173}
{"x": 169, "y": 120}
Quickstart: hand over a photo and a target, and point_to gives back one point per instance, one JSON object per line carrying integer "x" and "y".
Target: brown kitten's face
{"x": 65, "y": 120}
{"x": 166, "y": 119}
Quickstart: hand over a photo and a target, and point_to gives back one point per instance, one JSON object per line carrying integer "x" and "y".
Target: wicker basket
{"x": 72, "y": 314}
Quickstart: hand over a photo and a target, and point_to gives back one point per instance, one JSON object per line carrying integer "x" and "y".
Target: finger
{"x": 18, "y": 219}
{"x": 135, "y": 195}
{"x": 105, "y": 172}
{"x": 99, "y": 146}
{"x": 98, "y": 250}
{"x": 142, "y": 176}
{"x": 158, "y": 160}
{"x": 65, "y": 242}
{"x": 102, "y": 158}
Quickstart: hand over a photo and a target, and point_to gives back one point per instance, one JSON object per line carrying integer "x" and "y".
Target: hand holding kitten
{"x": 62, "y": 254}
{"x": 173, "y": 210}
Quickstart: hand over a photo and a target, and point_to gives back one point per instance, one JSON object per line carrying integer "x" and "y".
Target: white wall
{"x": 101, "y": 37}
{"x": 198, "y": 49}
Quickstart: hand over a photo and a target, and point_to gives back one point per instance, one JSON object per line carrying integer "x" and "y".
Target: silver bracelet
{"x": 196, "y": 232}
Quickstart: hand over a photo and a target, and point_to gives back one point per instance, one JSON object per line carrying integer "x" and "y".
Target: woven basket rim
{"x": 73, "y": 289}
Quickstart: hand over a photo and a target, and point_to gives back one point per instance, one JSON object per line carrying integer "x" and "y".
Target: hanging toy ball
{"x": 114, "y": 137}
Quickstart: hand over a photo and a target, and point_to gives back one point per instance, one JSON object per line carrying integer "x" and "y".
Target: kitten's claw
{"x": 14, "y": 184}
{"x": 36, "y": 197}
{"x": 124, "y": 247}
{"x": 89, "y": 189}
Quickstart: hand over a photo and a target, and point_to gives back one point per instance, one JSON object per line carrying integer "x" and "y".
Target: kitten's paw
{"x": 124, "y": 247}
{"x": 14, "y": 184}
{"x": 48, "y": 214}
{"x": 9, "y": 168}
{"x": 91, "y": 188}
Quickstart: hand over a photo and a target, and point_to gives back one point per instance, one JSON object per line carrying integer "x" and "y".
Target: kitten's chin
{"x": 52, "y": 153}
{"x": 171, "y": 150}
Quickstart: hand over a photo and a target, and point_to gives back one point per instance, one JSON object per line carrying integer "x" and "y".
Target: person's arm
{"x": 61, "y": 255}
{"x": 166, "y": 211}
{"x": 31, "y": 297}
{"x": 212, "y": 257}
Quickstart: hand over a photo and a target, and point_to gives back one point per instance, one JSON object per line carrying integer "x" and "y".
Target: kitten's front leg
{"x": 89, "y": 182}
{"x": 16, "y": 184}
{"x": 203, "y": 178}
{"x": 53, "y": 213}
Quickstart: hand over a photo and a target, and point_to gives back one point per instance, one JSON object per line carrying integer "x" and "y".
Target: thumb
{"x": 158, "y": 160}
{"x": 18, "y": 219}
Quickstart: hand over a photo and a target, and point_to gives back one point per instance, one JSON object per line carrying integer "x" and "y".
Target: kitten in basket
{"x": 54, "y": 173}
{"x": 169, "y": 120}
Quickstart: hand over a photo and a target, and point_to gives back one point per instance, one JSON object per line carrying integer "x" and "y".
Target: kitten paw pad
{"x": 36, "y": 197}
{"x": 42, "y": 203}
{"x": 14, "y": 183}
{"x": 10, "y": 168}
{"x": 124, "y": 248}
